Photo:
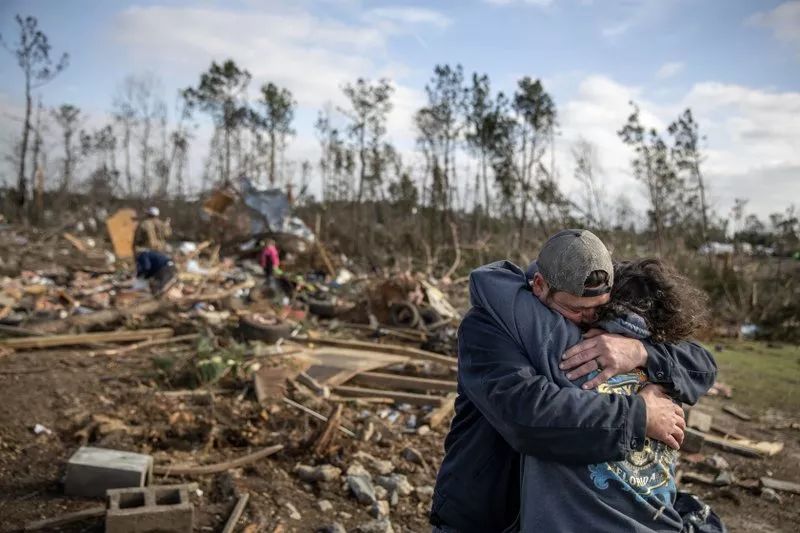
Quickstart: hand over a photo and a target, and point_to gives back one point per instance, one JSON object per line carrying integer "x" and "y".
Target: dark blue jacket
{"x": 513, "y": 399}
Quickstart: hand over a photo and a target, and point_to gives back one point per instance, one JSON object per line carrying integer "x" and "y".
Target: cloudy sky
{"x": 736, "y": 63}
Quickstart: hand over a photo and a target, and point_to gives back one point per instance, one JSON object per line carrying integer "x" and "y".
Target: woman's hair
{"x": 668, "y": 302}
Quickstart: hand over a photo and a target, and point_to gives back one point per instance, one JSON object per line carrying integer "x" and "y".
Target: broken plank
{"x": 394, "y": 381}
{"x": 744, "y": 447}
{"x": 399, "y": 397}
{"x": 395, "y": 349}
{"x": 85, "y": 338}
{"x": 230, "y": 526}
{"x": 181, "y": 470}
{"x": 777, "y": 484}
{"x": 444, "y": 411}
{"x": 326, "y": 436}
{"x": 316, "y": 415}
{"x": 65, "y": 519}
{"x": 735, "y": 412}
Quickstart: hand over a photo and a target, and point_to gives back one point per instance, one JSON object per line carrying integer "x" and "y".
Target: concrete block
{"x": 92, "y": 471}
{"x": 154, "y": 509}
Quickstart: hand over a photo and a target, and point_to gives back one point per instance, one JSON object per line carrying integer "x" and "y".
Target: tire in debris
{"x": 322, "y": 308}
{"x": 429, "y": 316}
{"x": 404, "y": 314}
{"x": 255, "y": 331}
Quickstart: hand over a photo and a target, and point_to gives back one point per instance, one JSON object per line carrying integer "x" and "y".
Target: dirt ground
{"x": 62, "y": 390}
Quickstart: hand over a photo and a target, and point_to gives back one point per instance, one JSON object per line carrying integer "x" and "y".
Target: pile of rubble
{"x": 311, "y": 401}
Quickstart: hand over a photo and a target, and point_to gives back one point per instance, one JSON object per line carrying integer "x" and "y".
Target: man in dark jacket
{"x": 512, "y": 398}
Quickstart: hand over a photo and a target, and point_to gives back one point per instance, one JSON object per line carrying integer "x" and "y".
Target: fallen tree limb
{"x": 236, "y": 514}
{"x": 64, "y": 519}
{"x": 184, "y": 470}
{"x": 457, "y": 259}
{"x": 85, "y": 338}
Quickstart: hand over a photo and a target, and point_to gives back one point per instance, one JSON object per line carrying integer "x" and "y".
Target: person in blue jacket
{"x": 520, "y": 348}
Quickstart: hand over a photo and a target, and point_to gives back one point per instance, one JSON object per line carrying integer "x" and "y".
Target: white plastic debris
{"x": 39, "y": 429}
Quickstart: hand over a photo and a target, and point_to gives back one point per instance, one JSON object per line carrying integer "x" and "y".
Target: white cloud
{"x": 784, "y": 21}
{"x": 669, "y": 70}
{"x": 409, "y": 16}
{"x": 537, "y": 3}
{"x": 751, "y": 145}
{"x": 616, "y": 30}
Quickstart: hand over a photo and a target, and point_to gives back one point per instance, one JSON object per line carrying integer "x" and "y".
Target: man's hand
{"x": 665, "y": 421}
{"x": 610, "y": 354}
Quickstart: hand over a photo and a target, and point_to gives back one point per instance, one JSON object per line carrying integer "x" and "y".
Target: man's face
{"x": 581, "y": 310}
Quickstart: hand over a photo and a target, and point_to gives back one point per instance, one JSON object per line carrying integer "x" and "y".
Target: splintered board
{"x": 121, "y": 227}
{"x": 334, "y": 366}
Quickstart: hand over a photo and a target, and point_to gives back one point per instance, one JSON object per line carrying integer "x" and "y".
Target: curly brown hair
{"x": 672, "y": 307}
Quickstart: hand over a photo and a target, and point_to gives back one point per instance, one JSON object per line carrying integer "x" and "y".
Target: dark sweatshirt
{"x": 513, "y": 399}
{"x": 634, "y": 494}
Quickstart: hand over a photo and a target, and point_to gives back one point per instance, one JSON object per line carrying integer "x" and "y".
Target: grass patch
{"x": 762, "y": 375}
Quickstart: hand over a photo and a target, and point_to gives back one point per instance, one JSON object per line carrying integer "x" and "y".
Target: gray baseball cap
{"x": 569, "y": 256}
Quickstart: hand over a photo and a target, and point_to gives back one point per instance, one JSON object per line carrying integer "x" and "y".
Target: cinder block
{"x": 92, "y": 471}
{"x": 154, "y": 509}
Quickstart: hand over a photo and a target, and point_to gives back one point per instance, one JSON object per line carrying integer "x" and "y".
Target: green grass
{"x": 762, "y": 375}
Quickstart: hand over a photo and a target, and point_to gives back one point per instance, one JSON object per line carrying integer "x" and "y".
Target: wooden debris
{"x": 726, "y": 432}
{"x": 400, "y": 397}
{"x": 183, "y": 470}
{"x": 121, "y": 227}
{"x": 85, "y": 338}
{"x": 317, "y": 415}
{"x": 65, "y": 519}
{"x": 412, "y": 353}
{"x": 335, "y": 366}
{"x": 394, "y": 381}
{"x": 328, "y": 432}
{"x": 745, "y": 447}
{"x": 441, "y": 413}
{"x": 147, "y": 344}
{"x": 270, "y": 383}
{"x": 236, "y": 514}
{"x": 693, "y": 477}
{"x": 777, "y": 484}
{"x": 76, "y": 242}
{"x": 737, "y": 413}
{"x": 106, "y": 316}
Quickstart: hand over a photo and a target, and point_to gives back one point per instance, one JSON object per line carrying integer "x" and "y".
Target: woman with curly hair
{"x": 649, "y": 300}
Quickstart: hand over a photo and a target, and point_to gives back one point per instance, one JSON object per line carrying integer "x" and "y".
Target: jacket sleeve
{"x": 686, "y": 369}
{"x": 533, "y": 414}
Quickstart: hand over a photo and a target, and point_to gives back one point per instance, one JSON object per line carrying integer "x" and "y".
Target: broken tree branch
{"x": 457, "y": 260}
{"x": 183, "y": 470}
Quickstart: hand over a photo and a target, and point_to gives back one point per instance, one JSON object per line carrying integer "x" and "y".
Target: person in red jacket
{"x": 269, "y": 259}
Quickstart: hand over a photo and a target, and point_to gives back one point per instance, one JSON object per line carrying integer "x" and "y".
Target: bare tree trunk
{"x": 227, "y": 154}
{"x": 272, "y": 158}
{"x": 22, "y": 185}
{"x": 37, "y": 142}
